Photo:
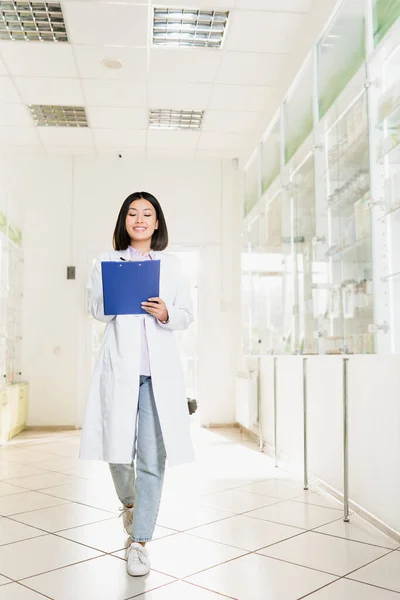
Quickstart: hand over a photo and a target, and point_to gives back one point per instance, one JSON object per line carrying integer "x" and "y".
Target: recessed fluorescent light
{"x": 32, "y": 21}
{"x": 176, "y": 119}
{"x": 189, "y": 28}
{"x": 58, "y": 116}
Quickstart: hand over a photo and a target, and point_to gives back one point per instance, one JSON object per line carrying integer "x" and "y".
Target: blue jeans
{"x": 144, "y": 490}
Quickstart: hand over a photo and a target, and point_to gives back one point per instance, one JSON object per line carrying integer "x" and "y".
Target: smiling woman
{"x": 141, "y": 221}
{"x": 137, "y": 408}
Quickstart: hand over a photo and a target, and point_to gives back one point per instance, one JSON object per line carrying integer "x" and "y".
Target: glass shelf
{"x": 390, "y": 149}
{"x": 389, "y": 107}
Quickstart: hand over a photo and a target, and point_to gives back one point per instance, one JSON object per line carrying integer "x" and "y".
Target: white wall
{"x": 71, "y": 205}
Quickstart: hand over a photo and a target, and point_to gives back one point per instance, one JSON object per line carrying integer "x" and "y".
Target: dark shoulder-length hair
{"x": 121, "y": 239}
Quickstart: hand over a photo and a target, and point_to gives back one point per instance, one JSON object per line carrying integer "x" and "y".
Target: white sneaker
{"x": 138, "y": 560}
{"x": 127, "y": 519}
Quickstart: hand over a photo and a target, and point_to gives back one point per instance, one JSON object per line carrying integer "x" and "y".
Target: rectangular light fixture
{"x": 58, "y": 116}
{"x": 32, "y": 21}
{"x": 189, "y": 28}
{"x": 176, "y": 119}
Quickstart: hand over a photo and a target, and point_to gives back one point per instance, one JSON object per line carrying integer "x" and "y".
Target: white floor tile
{"x": 358, "y": 530}
{"x": 255, "y": 577}
{"x": 384, "y": 572}
{"x": 325, "y": 553}
{"x": 22, "y": 456}
{"x": 343, "y": 589}
{"x": 297, "y": 514}
{"x": 236, "y": 501}
{"x": 40, "y": 482}
{"x": 27, "y": 501}
{"x": 45, "y": 554}
{"x": 57, "y": 518}
{"x": 181, "y": 555}
{"x": 276, "y": 488}
{"x": 15, "y": 591}
{"x": 245, "y": 533}
{"x": 6, "y": 489}
{"x": 180, "y": 590}
{"x": 104, "y": 578}
{"x": 83, "y": 491}
{"x": 11, "y": 531}
{"x": 58, "y": 464}
{"x": 89, "y": 469}
{"x": 3, "y": 581}
{"x": 106, "y": 536}
{"x": 62, "y": 449}
{"x": 319, "y": 499}
{"x": 188, "y": 515}
{"x": 10, "y": 470}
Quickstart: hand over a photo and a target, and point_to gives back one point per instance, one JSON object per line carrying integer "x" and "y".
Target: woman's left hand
{"x": 157, "y": 308}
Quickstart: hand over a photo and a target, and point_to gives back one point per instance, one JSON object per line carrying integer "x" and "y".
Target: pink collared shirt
{"x": 144, "y": 353}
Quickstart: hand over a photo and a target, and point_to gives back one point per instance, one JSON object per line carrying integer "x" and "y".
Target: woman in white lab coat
{"x": 137, "y": 407}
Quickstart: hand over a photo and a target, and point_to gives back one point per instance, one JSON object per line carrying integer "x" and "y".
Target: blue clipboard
{"x": 127, "y": 284}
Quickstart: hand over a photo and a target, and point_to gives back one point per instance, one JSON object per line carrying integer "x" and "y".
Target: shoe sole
{"x": 138, "y": 574}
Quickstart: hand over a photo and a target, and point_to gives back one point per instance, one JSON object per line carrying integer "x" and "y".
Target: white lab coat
{"x": 109, "y": 425}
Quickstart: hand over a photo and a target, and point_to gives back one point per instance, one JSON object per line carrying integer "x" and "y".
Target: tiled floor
{"x": 230, "y": 526}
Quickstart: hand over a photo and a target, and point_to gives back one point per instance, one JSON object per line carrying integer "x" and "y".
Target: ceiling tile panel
{"x": 66, "y": 136}
{"x": 173, "y": 139}
{"x": 133, "y": 60}
{"x": 112, "y": 117}
{"x": 35, "y": 90}
{"x": 15, "y": 115}
{"x": 127, "y": 153}
{"x": 220, "y": 141}
{"x": 37, "y": 59}
{"x": 237, "y": 97}
{"x": 106, "y": 24}
{"x": 18, "y": 136}
{"x": 8, "y": 92}
{"x": 171, "y": 152}
{"x": 256, "y": 31}
{"x": 71, "y": 150}
{"x": 119, "y": 138}
{"x": 229, "y": 121}
{"x": 206, "y": 4}
{"x": 3, "y": 70}
{"x": 249, "y": 68}
{"x": 222, "y": 153}
{"x": 191, "y": 95}
{"x": 114, "y": 93}
{"x": 275, "y": 5}
{"x": 178, "y": 64}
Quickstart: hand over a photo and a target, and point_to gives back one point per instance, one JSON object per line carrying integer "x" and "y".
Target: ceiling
{"x": 232, "y": 85}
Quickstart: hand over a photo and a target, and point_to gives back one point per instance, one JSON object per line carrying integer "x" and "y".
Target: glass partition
{"x": 385, "y": 148}
{"x": 341, "y": 52}
{"x": 347, "y": 250}
{"x": 298, "y": 111}
{"x": 271, "y": 155}
{"x": 322, "y": 190}
{"x": 251, "y": 184}
{"x": 385, "y": 14}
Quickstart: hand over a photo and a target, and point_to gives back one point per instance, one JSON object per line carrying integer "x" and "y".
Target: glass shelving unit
{"x": 329, "y": 177}
{"x": 252, "y": 185}
{"x": 384, "y": 72}
{"x": 346, "y": 325}
{"x": 271, "y": 152}
{"x": 299, "y": 172}
{"x": 11, "y": 293}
